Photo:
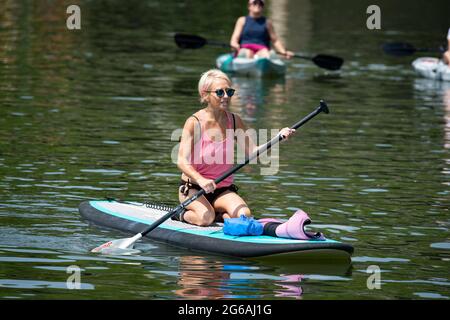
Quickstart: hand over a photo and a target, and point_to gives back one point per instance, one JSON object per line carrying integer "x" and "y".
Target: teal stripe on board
{"x": 206, "y": 233}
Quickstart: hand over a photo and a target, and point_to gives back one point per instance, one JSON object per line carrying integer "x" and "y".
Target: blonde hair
{"x": 206, "y": 80}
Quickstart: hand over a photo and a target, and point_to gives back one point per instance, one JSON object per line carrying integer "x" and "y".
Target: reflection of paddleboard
{"x": 251, "y": 67}
{"x": 255, "y": 90}
{"x": 134, "y": 217}
{"x": 432, "y": 68}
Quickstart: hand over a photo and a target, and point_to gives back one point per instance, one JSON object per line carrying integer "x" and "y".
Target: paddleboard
{"x": 133, "y": 217}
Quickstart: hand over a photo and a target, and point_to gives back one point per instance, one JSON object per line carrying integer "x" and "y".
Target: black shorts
{"x": 212, "y": 196}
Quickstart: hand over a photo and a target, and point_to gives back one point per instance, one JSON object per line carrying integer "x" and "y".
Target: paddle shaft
{"x": 298, "y": 55}
{"x": 188, "y": 41}
{"x": 218, "y": 43}
{"x": 322, "y": 108}
{"x": 406, "y": 49}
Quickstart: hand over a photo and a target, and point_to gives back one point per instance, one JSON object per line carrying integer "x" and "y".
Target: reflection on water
{"x": 252, "y": 95}
{"x": 178, "y": 275}
{"x": 428, "y": 91}
{"x": 202, "y": 277}
{"x": 447, "y": 117}
{"x": 199, "y": 278}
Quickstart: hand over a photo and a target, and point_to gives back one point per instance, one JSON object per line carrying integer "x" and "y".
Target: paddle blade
{"x": 399, "y": 49}
{"x": 328, "y": 62}
{"x": 187, "y": 41}
{"x": 117, "y": 246}
{"x": 119, "y": 252}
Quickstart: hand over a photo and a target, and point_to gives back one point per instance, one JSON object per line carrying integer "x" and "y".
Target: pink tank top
{"x": 213, "y": 158}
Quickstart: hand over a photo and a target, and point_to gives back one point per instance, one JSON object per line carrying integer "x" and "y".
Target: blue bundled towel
{"x": 242, "y": 226}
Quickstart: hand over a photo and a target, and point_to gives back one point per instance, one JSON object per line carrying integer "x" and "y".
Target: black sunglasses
{"x": 221, "y": 92}
{"x": 258, "y": 2}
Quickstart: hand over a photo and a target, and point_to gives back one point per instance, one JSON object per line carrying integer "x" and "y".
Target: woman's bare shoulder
{"x": 196, "y": 115}
{"x": 190, "y": 122}
{"x": 241, "y": 20}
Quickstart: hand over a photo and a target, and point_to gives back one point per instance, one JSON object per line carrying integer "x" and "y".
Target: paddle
{"x": 401, "y": 49}
{"x": 324, "y": 61}
{"x": 121, "y": 245}
{"x": 187, "y": 41}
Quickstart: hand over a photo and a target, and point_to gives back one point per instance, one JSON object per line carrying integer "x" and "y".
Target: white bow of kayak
{"x": 432, "y": 68}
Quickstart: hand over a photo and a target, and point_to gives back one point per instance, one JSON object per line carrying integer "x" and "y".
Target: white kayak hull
{"x": 256, "y": 67}
{"x": 432, "y": 68}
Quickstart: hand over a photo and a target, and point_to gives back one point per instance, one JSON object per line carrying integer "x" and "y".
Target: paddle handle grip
{"x": 323, "y": 107}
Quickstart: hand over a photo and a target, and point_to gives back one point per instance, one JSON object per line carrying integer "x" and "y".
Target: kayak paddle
{"x": 324, "y": 61}
{"x": 401, "y": 49}
{"x": 188, "y": 41}
{"x": 122, "y": 245}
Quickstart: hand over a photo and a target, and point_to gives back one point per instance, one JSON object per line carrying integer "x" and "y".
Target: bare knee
{"x": 202, "y": 218}
{"x": 207, "y": 219}
{"x": 245, "y": 211}
{"x": 242, "y": 210}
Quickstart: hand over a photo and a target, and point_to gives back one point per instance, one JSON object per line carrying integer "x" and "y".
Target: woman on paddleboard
{"x": 254, "y": 34}
{"x": 207, "y": 151}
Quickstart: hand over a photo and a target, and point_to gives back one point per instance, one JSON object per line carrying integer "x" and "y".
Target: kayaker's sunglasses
{"x": 257, "y": 3}
{"x": 221, "y": 92}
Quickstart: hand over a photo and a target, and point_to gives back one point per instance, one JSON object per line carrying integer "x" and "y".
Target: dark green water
{"x": 88, "y": 114}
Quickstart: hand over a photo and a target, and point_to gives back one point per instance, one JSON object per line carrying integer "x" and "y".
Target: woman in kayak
{"x": 446, "y": 56}
{"x": 254, "y": 33}
{"x": 207, "y": 151}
